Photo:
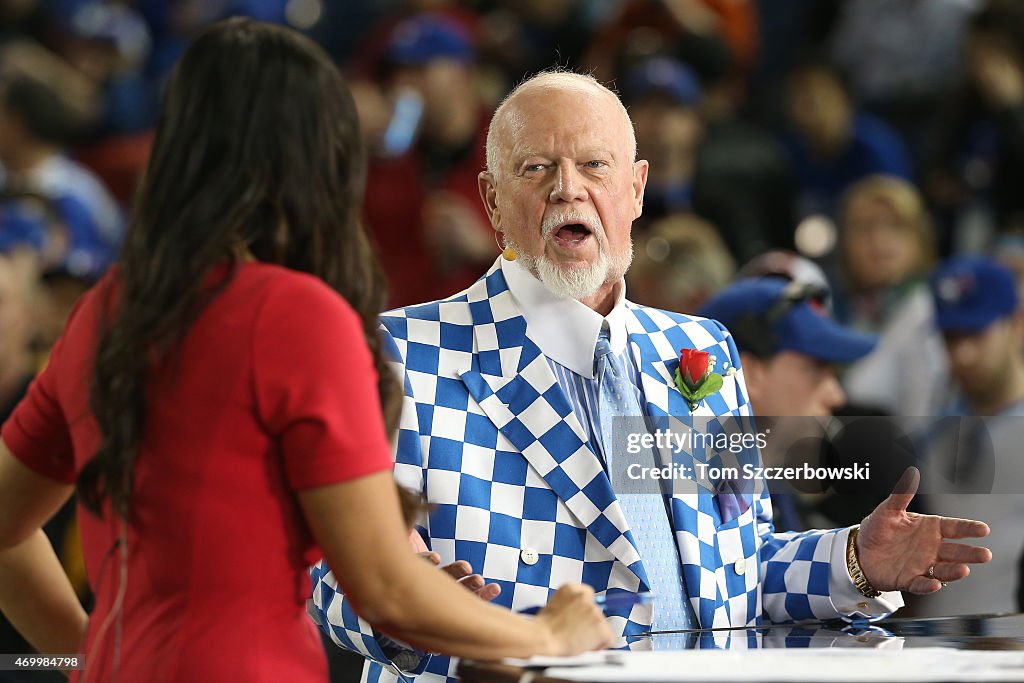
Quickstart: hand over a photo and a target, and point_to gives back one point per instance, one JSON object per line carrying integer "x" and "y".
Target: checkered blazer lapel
{"x": 657, "y": 358}
{"x": 513, "y": 384}
{"x": 655, "y": 340}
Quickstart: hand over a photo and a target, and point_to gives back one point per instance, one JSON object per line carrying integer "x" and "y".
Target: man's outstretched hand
{"x": 900, "y": 550}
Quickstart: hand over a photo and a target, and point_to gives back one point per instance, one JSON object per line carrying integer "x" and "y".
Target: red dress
{"x": 274, "y": 391}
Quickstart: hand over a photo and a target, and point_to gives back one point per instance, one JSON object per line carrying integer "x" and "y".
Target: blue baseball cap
{"x": 120, "y": 26}
{"x": 21, "y": 225}
{"x": 663, "y": 75}
{"x": 769, "y": 315}
{"x": 971, "y": 293}
{"x": 426, "y": 37}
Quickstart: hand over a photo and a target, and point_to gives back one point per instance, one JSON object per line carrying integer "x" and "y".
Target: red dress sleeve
{"x": 316, "y": 385}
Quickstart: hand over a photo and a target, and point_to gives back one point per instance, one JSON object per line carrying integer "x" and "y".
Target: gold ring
{"x": 931, "y": 572}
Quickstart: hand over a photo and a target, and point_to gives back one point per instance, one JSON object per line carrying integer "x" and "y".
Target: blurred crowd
{"x": 850, "y": 144}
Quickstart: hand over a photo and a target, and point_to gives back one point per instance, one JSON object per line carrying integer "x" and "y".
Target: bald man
{"x": 512, "y": 388}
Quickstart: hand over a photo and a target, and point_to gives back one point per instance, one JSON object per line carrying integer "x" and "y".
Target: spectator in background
{"x": 1008, "y": 250}
{"x": 26, "y": 19}
{"x": 19, "y": 278}
{"x": 831, "y": 144}
{"x": 678, "y": 263}
{"x": 717, "y": 37}
{"x": 422, "y": 201}
{"x": 977, "y": 311}
{"x": 110, "y": 44}
{"x": 369, "y": 59}
{"x": 744, "y": 186}
{"x": 789, "y": 266}
{"x": 789, "y": 349}
{"x": 887, "y": 250}
{"x": 978, "y": 460}
{"x": 527, "y": 36}
{"x": 34, "y": 125}
{"x": 903, "y": 59}
{"x": 663, "y": 97}
{"x": 980, "y": 169}
{"x": 31, "y": 233}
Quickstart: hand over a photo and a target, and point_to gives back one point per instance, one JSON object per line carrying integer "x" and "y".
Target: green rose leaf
{"x": 711, "y": 385}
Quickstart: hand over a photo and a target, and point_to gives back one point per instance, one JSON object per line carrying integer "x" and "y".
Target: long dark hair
{"x": 257, "y": 147}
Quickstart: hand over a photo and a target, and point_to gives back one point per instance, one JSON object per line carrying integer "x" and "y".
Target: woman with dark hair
{"x": 219, "y": 400}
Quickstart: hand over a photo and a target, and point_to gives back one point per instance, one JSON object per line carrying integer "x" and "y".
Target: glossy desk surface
{"x": 980, "y": 632}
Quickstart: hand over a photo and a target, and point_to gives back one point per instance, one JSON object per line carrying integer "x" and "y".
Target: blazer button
{"x": 529, "y": 556}
{"x": 740, "y": 566}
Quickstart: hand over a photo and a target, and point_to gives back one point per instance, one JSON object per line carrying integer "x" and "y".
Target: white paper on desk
{"x": 912, "y": 665}
{"x": 586, "y": 659}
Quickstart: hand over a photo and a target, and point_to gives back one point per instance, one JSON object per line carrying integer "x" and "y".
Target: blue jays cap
{"x": 769, "y": 315}
{"x": 971, "y": 293}
{"x": 662, "y": 75}
{"x": 423, "y": 38}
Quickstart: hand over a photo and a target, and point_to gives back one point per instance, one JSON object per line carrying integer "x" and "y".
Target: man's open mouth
{"x": 571, "y": 235}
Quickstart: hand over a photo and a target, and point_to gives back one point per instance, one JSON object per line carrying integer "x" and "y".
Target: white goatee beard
{"x": 575, "y": 282}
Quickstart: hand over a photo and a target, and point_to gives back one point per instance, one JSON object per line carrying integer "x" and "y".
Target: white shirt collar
{"x": 565, "y": 329}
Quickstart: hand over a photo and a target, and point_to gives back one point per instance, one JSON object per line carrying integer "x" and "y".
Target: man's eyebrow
{"x": 524, "y": 154}
{"x": 585, "y": 155}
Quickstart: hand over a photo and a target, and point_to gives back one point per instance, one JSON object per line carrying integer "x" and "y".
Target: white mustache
{"x": 552, "y": 222}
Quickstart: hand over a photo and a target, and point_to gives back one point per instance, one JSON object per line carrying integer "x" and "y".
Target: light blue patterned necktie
{"x": 645, "y": 513}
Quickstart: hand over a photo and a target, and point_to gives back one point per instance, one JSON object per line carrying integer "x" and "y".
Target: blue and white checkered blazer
{"x": 493, "y": 444}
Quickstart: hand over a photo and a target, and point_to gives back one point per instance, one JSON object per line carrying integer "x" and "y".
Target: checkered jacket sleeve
{"x": 795, "y": 571}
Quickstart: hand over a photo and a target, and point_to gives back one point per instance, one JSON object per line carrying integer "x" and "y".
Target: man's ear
{"x": 753, "y": 375}
{"x": 1017, "y": 329}
{"x": 639, "y": 183}
{"x": 489, "y": 196}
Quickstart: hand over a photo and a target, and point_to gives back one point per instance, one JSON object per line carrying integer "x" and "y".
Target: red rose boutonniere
{"x": 694, "y": 378}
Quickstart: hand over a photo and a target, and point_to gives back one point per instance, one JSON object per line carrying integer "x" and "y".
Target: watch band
{"x": 853, "y": 565}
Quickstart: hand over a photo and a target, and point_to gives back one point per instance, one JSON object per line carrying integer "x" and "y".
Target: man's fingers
{"x": 922, "y": 585}
{"x": 904, "y": 490}
{"x": 953, "y": 527}
{"x": 458, "y": 570}
{"x": 473, "y": 582}
{"x": 961, "y": 552}
{"x": 431, "y": 556}
{"x": 489, "y": 592}
{"x": 950, "y": 571}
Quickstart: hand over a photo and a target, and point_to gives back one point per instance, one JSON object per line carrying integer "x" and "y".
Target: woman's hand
{"x": 575, "y": 623}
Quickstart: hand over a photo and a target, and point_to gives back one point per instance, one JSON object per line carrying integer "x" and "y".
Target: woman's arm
{"x": 359, "y": 529}
{"x": 35, "y": 593}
